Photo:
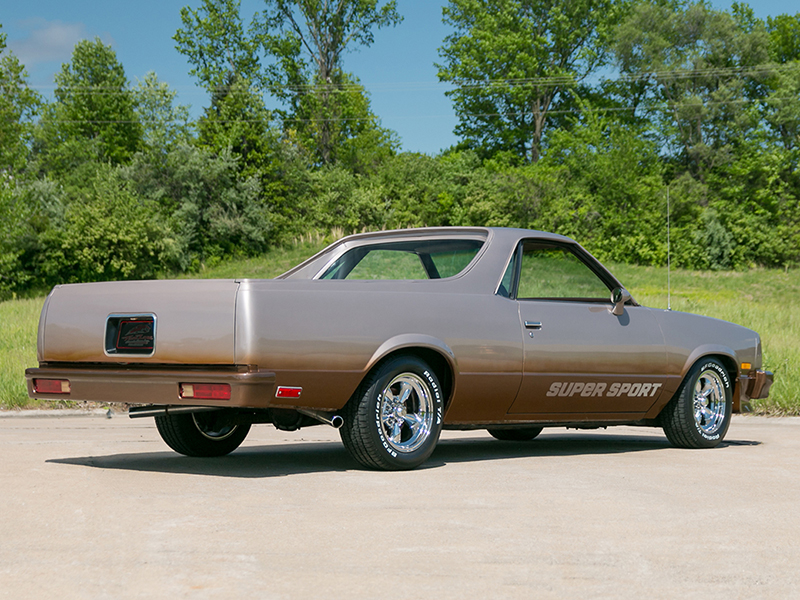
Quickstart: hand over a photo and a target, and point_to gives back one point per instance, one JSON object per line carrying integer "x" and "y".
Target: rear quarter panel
{"x": 324, "y": 336}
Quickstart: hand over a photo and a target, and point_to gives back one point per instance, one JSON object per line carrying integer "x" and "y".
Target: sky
{"x": 398, "y": 69}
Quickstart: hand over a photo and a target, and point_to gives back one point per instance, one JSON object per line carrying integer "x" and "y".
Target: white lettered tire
{"x": 699, "y": 414}
{"x": 394, "y": 419}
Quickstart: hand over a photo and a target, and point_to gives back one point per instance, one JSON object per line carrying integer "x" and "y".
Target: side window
{"x": 552, "y": 271}
{"x": 414, "y": 259}
{"x": 507, "y": 283}
{"x": 387, "y": 264}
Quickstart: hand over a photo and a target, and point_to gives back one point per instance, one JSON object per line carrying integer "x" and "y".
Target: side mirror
{"x": 619, "y": 296}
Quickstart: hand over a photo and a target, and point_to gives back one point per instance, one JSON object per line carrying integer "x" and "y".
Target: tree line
{"x": 574, "y": 116}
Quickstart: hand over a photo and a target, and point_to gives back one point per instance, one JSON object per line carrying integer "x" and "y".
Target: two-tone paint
{"x": 500, "y": 360}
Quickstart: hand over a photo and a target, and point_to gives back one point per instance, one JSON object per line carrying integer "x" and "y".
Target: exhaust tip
{"x": 336, "y": 421}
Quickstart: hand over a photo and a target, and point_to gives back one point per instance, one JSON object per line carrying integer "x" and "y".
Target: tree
{"x": 355, "y": 138}
{"x": 216, "y": 43}
{"x": 702, "y": 67}
{"x": 18, "y": 106}
{"x": 514, "y": 62}
{"x": 164, "y": 125}
{"x": 238, "y": 120}
{"x": 303, "y": 42}
{"x": 323, "y": 30}
{"x": 93, "y": 113}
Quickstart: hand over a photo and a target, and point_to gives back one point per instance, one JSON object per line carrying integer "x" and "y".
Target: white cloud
{"x": 47, "y": 41}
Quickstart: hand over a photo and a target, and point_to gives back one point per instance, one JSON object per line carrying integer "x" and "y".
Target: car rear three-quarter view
{"x": 393, "y": 336}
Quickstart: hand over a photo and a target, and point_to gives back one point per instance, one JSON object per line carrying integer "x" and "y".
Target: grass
{"x": 18, "y": 322}
{"x": 767, "y": 301}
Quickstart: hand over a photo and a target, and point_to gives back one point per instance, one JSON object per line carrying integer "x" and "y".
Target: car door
{"x": 580, "y": 360}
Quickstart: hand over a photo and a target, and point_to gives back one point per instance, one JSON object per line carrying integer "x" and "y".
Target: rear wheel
{"x": 521, "y": 434}
{"x": 202, "y": 434}
{"x": 394, "y": 418}
{"x": 700, "y": 413}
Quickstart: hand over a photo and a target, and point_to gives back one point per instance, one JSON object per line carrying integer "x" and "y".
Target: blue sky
{"x": 397, "y": 70}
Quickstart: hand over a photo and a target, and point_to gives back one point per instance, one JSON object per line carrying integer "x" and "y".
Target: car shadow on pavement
{"x": 280, "y": 460}
{"x": 554, "y": 445}
{"x": 273, "y": 460}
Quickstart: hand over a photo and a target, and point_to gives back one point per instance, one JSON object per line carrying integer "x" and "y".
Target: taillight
{"x": 206, "y": 391}
{"x": 51, "y": 386}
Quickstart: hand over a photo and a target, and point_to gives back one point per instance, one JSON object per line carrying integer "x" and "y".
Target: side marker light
{"x": 284, "y": 391}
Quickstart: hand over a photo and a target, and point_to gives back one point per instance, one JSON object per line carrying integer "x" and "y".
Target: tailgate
{"x": 192, "y": 322}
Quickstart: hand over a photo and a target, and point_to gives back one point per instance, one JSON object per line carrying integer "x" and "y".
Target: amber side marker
{"x": 746, "y": 366}
{"x": 206, "y": 391}
{"x": 51, "y": 386}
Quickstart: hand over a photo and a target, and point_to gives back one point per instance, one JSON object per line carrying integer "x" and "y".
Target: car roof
{"x": 496, "y": 239}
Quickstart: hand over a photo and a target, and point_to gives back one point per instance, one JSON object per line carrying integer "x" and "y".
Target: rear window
{"x": 426, "y": 259}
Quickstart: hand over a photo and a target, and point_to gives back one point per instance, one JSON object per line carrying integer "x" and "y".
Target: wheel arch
{"x": 433, "y": 351}
{"x": 722, "y": 353}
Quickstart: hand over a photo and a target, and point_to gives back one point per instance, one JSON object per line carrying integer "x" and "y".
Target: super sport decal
{"x": 569, "y": 389}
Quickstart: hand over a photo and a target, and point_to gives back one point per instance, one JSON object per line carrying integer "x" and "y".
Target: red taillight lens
{"x": 206, "y": 391}
{"x": 285, "y": 391}
{"x": 51, "y": 386}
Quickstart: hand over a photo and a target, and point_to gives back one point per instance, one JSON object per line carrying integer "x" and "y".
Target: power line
{"x": 553, "y": 81}
{"x": 573, "y": 111}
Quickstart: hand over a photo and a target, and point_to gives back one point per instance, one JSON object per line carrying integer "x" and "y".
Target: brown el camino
{"x": 393, "y": 336}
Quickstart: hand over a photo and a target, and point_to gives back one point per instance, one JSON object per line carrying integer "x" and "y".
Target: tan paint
{"x": 324, "y": 336}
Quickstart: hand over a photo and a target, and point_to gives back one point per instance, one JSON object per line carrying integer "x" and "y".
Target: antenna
{"x": 669, "y": 283}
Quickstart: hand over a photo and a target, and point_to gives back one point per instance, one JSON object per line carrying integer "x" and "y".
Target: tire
{"x": 699, "y": 414}
{"x": 522, "y": 434}
{"x": 202, "y": 434}
{"x": 394, "y": 418}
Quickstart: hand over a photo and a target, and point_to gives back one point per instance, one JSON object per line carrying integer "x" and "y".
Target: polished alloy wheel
{"x": 710, "y": 401}
{"x": 406, "y": 412}
{"x": 213, "y": 426}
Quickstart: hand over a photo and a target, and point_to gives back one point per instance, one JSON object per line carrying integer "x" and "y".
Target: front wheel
{"x": 700, "y": 413}
{"x": 202, "y": 434}
{"x": 394, "y": 418}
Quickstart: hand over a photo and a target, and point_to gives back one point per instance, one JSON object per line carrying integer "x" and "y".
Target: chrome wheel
{"x": 213, "y": 427}
{"x": 710, "y": 401}
{"x": 406, "y": 412}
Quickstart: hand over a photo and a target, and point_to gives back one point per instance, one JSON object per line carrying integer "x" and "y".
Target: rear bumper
{"x": 250, "y": 387}
{"x": 754, "y": 387}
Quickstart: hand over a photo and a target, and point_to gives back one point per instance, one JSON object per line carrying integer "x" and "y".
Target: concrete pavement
{"x": 92, "y": 507}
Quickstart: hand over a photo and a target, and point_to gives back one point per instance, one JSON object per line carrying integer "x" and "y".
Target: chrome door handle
{"x": 533, "y": 324}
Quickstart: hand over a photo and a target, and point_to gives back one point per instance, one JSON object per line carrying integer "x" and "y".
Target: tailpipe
{"x": 137, "y": 412}
{"x": 334, "y": 420}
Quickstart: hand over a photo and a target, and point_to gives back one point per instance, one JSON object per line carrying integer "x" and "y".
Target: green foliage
{"x": 93, "y": 113}
{"x": 164, "y": 125}
{"x": 216, "y": 44}
{"x": 210, "y": 208}
{"x": 238, "y": 122}
{"x": 324, "y": 100}
{"x": 784, "y": 34}
{"x": 328, "y": 111}
{"x": 107, "y": 234}
{"x": 18, "y": 105}
{"x": 515, "y": 61}
{"x": 12, "y": 232}
{"x": 702, "y": 66}
{"x": 341, "y": 114}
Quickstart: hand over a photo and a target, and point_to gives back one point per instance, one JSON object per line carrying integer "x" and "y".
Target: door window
{"x": 551, "y": 271}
